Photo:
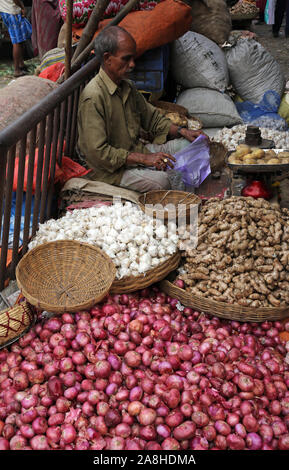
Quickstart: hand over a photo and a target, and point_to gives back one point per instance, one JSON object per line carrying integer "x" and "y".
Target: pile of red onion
{"x": 135, "y": 373}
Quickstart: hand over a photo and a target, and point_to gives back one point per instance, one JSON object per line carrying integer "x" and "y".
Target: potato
{"x": 283, "y": 155}
{"x": 250, "y": 161}
{"x": 241, "y": 152}
{"x": 248, "y": 156}
{"x": 258, "y": 153}
{"x": 273, "y": 161}
{"x": 270, "y": 153}
{"x": 284, "y": 160}
{"x": 234, "y": 160}
{"x": 261, "y": 161}
{"x": 244, "y": 147}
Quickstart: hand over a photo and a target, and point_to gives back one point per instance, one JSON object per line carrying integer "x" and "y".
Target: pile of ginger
{"x": 242, "y": 255}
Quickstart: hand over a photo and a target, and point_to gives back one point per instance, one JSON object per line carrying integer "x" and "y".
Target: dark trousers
{"x": 282, "y": 6}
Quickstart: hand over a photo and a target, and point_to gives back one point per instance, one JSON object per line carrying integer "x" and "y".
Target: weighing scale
{"x": 264, "y": 173}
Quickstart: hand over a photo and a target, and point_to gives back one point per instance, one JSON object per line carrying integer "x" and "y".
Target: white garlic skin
{"x": 134, "y": 241}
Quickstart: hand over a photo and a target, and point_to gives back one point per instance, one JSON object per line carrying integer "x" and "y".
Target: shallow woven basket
{"x": 165, "y": 198}
{"x": 244, "y": 16}
{"x": 65, "y": 276}
{"x": 221, "y": 309}
{"x": 132, "y": 284}
{"x": 15, "y": 322}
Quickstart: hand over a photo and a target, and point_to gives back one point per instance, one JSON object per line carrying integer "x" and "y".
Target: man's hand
{"x": 191, "y": 135}
{"x": 160, "y": 160}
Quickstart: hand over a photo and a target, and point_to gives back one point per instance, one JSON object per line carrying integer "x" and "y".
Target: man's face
{"x": 119, "y": 65}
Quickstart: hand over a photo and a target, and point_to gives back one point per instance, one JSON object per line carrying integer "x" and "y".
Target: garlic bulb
{"x": 231, "y": 137}
{"x": 134, "y": 241}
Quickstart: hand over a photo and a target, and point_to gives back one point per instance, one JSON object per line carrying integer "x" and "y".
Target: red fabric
{"x": 58, "y": 173}
{"x": 53, "y": 72}
{"x": 261, "y": 4}
{"x": 168, "y": 21}
{"x": 71, "y": 169}
{"x": 46, "y": 24}
{"x": 68, "y": 170}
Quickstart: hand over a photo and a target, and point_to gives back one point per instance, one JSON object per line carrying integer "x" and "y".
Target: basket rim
{"x": 170, "y": 191}
{"x": 60, "y": 308}
{"x": 165, "y": 215}
{"x": 237, "y": 312}
{"x": 152, "y": 276}
{"x": 30, "y": 313}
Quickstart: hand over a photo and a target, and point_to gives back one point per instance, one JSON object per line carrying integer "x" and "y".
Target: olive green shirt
{"x": 109, "y": 123}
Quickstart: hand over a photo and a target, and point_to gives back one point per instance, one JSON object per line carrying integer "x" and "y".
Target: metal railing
{"x": 35, "y": 143}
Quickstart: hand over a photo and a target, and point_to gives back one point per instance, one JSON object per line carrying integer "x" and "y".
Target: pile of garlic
{"x": 231, "y": 137}
{"x": 134, "y": 241}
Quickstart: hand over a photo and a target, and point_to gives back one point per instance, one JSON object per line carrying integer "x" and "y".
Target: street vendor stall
{"x": 155, "y": 321}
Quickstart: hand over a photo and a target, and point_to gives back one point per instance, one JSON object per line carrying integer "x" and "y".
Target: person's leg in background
{"x": 287, "y": 20}
{"x": 18, "y": 60}
{"x": 279, "y": 15}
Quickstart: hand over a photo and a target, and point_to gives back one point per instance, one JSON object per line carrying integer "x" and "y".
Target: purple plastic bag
{"x": 193, "y": 162}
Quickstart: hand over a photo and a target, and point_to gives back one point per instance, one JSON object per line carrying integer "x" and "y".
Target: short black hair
{"x": 107, "y": 41}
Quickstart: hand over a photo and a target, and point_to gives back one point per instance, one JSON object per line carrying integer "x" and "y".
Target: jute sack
{"x": 196, "y": 61}
{"x": 253, "y": 70}
{"x": 20, "y": 95}
{"x": 215, "y": 109}
{"x": 211, "y": 18}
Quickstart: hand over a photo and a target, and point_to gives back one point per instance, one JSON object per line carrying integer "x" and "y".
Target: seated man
{"x": 111, "y": 115}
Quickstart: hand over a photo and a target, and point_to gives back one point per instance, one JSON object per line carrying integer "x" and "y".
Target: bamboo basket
{"x": 15, "y": 322}
{"x": 134, "y": 283}
{"x": 65, "y": 276}
{"x": 223, "y": 310}
{"x": 168, "y": 198}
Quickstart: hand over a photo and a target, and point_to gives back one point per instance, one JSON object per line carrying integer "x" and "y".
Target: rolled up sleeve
{"x": 93, "y": 141}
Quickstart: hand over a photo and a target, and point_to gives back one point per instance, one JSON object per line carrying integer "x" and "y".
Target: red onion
{"x": 254, "y": 441}
{"x": 170, "y": 444}
{"x": 55, "y": 387}
{"x": 250, "y": 423}
{"x": 235, "y": 442}
{"x": 4, "y": 444}
{"x": 283, "y": 442}
{"x": 19, "y": 442}
{"x": 147, "y": 416}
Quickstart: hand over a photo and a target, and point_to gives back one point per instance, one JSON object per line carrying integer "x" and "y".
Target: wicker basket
{"x": 167, "y": 107}
{"x": 166, "y": 198}
{"x": 65, "y": 276}
{"x": 244, "y": 16}
{"x": 223, "y": 310}
{"x": 131, "y": 284}
{"x": 15, "y": 322}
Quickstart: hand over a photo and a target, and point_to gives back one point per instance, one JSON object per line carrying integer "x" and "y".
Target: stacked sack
{"x": 205, "y": 71}
{"x": 258, "y": 80}
{"x": 199, "y": 65}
